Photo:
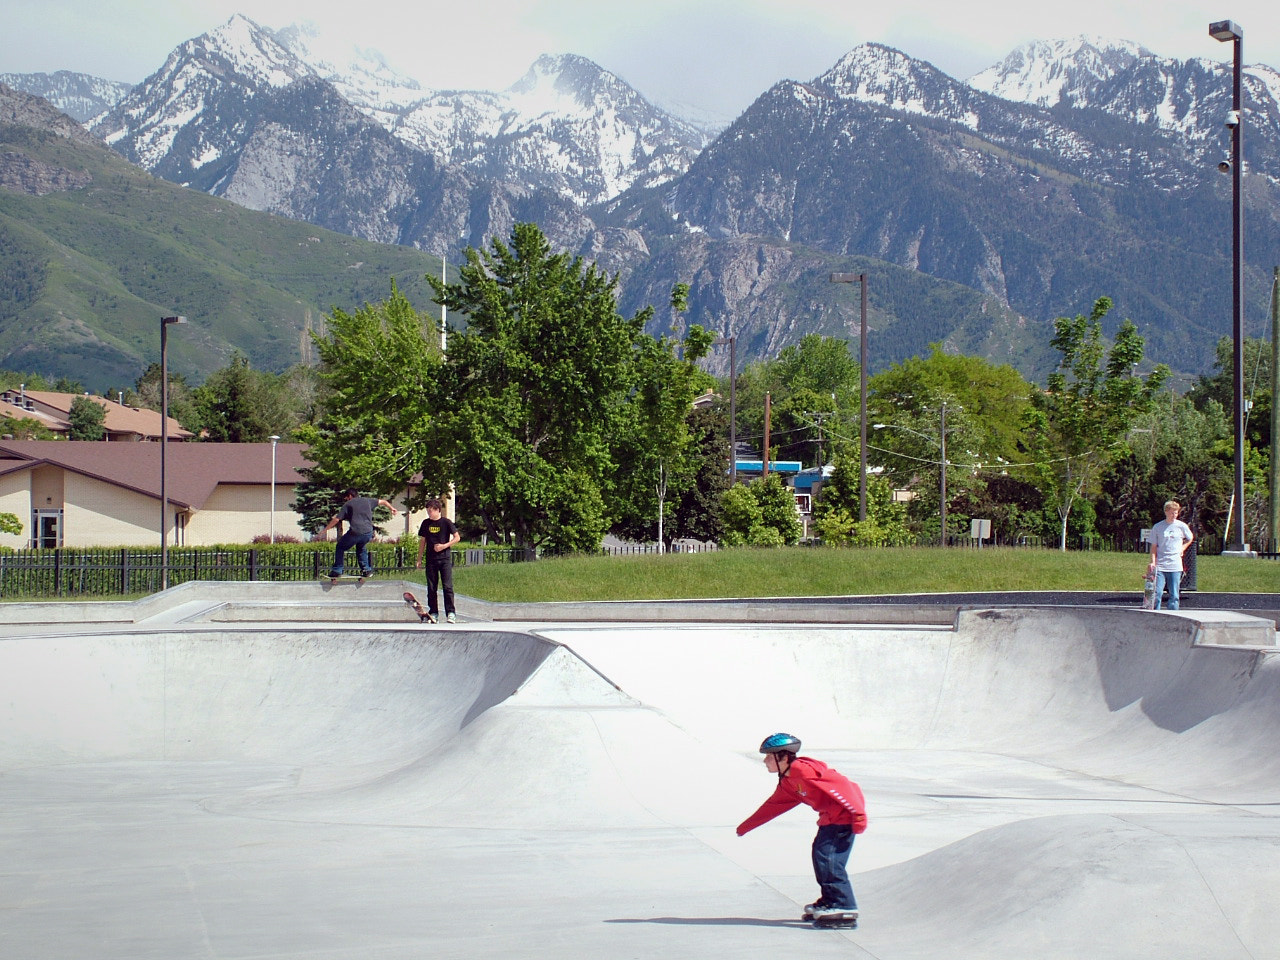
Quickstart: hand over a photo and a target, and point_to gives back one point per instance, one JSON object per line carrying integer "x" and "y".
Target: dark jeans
{"x": 831, "y": 849}
{"x": 442, "y": 574}
{"x": 345, "y": 542}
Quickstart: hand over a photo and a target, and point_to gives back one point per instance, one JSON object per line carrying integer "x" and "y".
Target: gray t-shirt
{"x": 358, "y": 513}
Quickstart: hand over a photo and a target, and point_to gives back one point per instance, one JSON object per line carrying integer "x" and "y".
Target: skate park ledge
{"x": 381, "y": 601}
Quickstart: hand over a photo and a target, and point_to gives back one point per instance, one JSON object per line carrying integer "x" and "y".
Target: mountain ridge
{"x": 1085, "y": 167}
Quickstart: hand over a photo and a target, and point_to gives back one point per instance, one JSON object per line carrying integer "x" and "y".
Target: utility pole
{"x": 942, "y": 473}
{"x": 1275, "y": 411}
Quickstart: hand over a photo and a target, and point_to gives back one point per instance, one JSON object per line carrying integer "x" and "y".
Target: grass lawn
{"x": 804, "y": 571}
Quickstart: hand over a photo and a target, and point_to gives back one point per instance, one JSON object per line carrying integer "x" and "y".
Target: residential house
{"x": 84, "y": 493}
{"x": 53, "y": 411}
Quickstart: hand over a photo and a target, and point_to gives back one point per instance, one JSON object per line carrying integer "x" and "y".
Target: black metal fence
{"x": 128, "y": 571}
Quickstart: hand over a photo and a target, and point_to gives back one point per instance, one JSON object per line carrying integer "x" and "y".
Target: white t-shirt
{"x": 1169, "y": 539}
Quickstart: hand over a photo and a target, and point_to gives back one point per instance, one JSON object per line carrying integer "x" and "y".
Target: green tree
{"x": 1090, "y": 401}
{"x": 697, "y": 511}
{"x": 86, "y": 420}
{"x": 538, "y": 383}
{"x": 986, "y": 399}
{"x": 654, "y": 446}
{"x": 814, "y": 390}
{"x": 145, "y": 395}
{"x": 761, "y": 513}
{"x": 381, "y": 419}
{"x": 837, "y": 522}
{"x": 25, "y": 428}
{"x": 233, "y": 405}
{"x": 9, "y": 523}
{"x": 1177, "y": 450}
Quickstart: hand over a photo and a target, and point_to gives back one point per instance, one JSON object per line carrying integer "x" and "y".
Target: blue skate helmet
{"x": 780, "y": 743}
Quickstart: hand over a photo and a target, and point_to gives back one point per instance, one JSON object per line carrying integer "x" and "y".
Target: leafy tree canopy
{"x": 86, "y": 420}
{"x": 1091, "y": 400}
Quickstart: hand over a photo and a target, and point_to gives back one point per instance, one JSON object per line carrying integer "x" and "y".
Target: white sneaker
{"x": 451, "y": 618}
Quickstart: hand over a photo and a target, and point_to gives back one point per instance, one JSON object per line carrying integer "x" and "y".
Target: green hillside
{"x": 87, "y": 272}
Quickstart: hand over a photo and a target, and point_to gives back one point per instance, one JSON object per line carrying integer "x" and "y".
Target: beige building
{"x": 89, "y": 494}
{"x": 53, "y": 412}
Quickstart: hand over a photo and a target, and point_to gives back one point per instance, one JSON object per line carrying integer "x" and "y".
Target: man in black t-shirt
{"x": 436, "y": 537}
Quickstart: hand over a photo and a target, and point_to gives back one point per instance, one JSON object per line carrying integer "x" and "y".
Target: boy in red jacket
{"x": 842, "y": 813}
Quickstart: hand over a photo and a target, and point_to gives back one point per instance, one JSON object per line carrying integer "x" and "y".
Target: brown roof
{"x": 119, "y": 419}
{"x": 193, "y": 469}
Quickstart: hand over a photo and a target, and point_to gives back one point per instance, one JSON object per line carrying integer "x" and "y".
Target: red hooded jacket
{"x": 836, "y": 798}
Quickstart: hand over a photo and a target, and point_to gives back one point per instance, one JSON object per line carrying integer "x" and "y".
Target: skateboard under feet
{"x": 836, "y": 921}
{"x": 423, "y": 615}
{"x": 358, "y": 577}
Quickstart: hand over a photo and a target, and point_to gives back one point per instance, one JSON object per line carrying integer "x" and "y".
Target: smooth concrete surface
{"x": 1041, "y": 783}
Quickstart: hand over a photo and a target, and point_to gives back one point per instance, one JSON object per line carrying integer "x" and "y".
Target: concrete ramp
{"x": 1044, "y": 783}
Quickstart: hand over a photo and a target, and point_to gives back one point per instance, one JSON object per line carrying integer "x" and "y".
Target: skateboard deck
{"x": 840, "y": 921}
{"x": 1148, "y": 594}
{"x": 357, "y": 577}
{"x": 423, "y": 615}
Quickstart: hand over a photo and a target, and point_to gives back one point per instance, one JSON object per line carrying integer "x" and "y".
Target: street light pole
{"x": 1226, "y": 30}
{"x": 942, "y": 473}
{"x": 164, "y": 446}
{"x": 274, "y": 440}
{"x": 861, "y": 278}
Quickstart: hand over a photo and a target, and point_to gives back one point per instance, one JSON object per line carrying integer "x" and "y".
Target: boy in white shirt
{"x": 1169, "y": 541}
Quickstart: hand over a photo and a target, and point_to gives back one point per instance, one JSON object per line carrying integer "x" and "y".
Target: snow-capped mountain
{"x": 1189, "y": 98}
{"x": 78, "y": 95}
{"x": 1042, "y": 208}
{"x": 1070, "y": 170}
{"x": 567, "y": 126}
{"x": 1049, "y": 72}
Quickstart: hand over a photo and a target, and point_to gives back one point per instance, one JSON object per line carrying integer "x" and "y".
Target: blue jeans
{"x": 345, "y": 542}
{"x": 1171, "y": 579}
{"x": 831, "y": 849}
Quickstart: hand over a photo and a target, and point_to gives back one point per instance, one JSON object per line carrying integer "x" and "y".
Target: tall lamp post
{"x": 164, "y": 446}
{"x": 860, "y": 278}
{"x": 274, "y": 440}
{"x": 942, "y": 466}
{"x": 1225, "y": 30}
{"x": 733, "y": 404}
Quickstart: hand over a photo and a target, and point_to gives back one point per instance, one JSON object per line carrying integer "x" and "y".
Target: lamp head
{"x": 1224, "y": 166}
{"x": 1225, "y": 30}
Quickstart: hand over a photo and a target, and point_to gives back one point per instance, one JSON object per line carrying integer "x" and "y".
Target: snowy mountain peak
{"x": 242, "y": 48}
{"x": 1045, "y": 72}
{"x": 362, "y": 75}
{"x": 875, "y": 74}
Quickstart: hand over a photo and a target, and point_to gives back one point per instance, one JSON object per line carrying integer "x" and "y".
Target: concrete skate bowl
{"x": 1042, "y": 783}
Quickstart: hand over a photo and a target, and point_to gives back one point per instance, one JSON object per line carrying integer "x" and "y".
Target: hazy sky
{"x": 715, "y": 55}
